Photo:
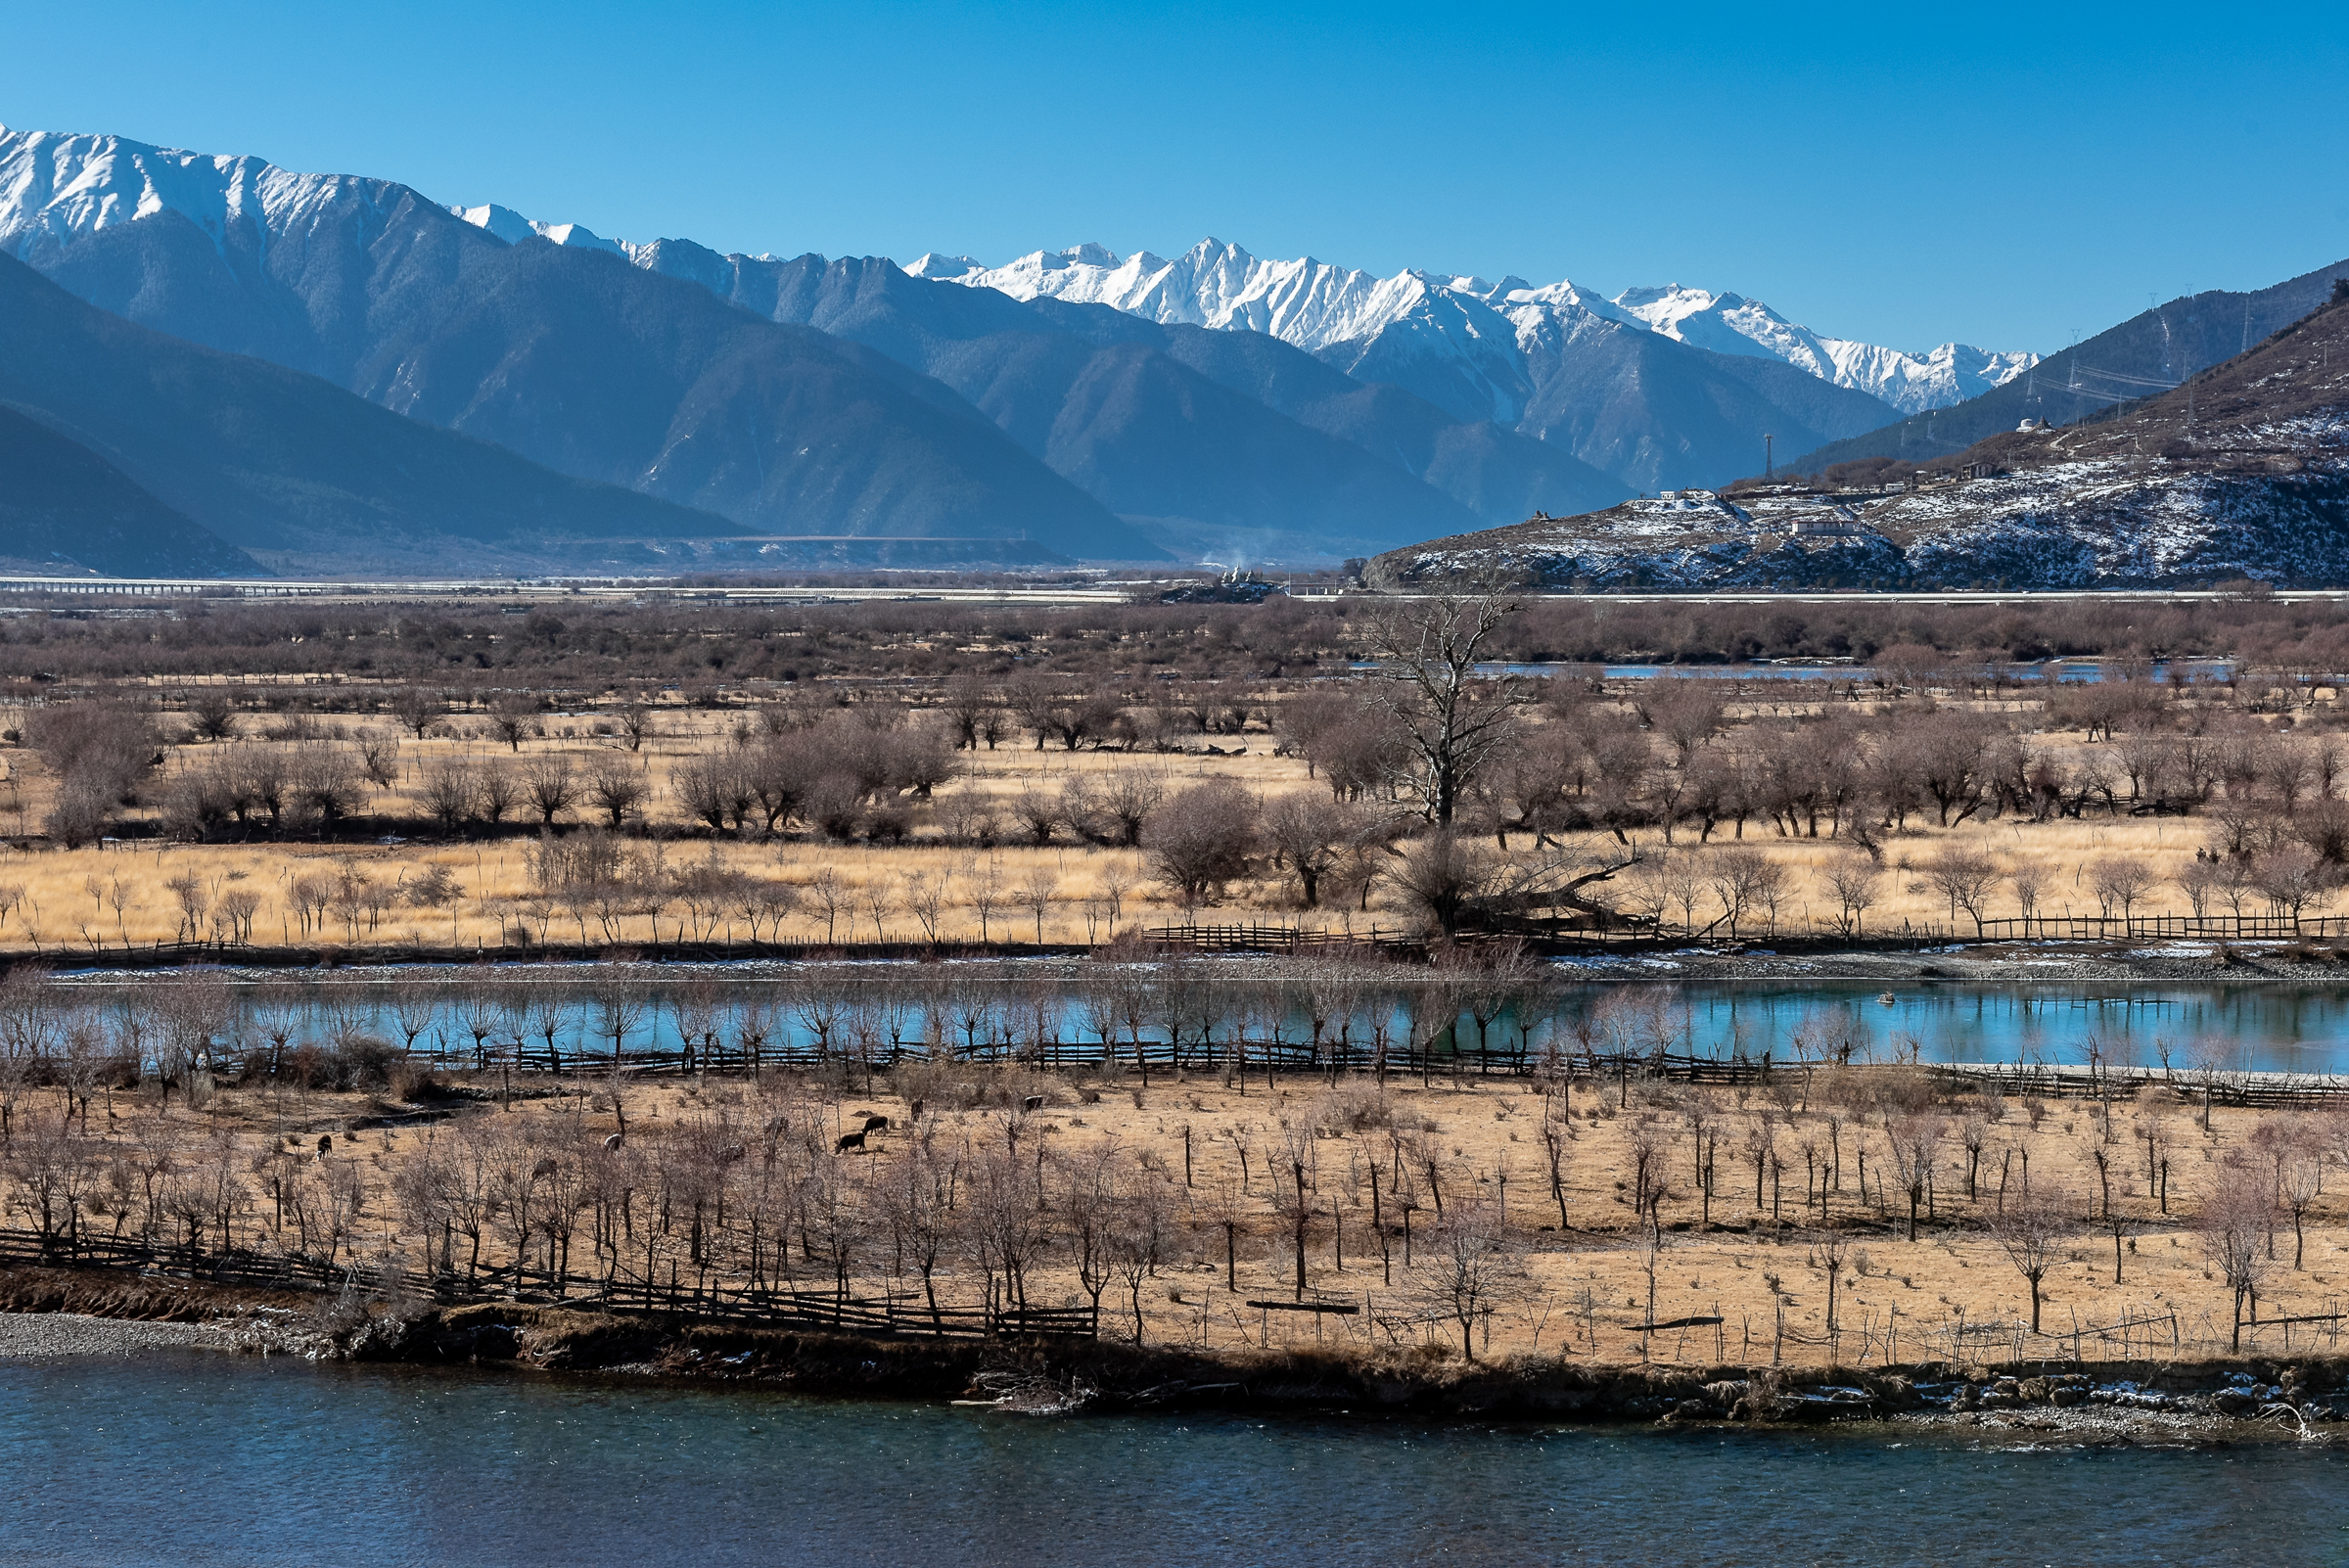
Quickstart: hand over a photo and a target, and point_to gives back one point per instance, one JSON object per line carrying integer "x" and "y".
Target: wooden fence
{"x": 1274, "y": 938}
{"x": 2207, "y": 928}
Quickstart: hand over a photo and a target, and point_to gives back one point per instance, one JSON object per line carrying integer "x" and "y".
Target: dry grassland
{"x": 78, "y": 900}
{"x": 1583, "y": 1287}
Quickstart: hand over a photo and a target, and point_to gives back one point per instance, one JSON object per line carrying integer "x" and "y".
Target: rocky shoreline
{"x": 59, "y": 1313}
{"x": 2198, "y": 960}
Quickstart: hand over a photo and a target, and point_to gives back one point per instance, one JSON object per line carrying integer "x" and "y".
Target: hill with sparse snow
{"x": 2240, "y": 473}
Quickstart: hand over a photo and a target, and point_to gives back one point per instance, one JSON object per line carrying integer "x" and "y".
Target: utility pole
{"x": 1768, "y": 465}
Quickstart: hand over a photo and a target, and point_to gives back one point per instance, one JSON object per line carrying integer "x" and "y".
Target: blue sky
{"x": 2006, "y": 176}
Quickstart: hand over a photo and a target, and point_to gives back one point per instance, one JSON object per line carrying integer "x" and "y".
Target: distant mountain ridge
{"x": 374, "y": 287}
{"x": 569, "y": 357}
{"x": 1556, "y": 363}
{"x": 1323, "y": 411}
{"x": 1323, "y": 307}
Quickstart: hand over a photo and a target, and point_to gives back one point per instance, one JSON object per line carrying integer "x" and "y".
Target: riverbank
{"x": 2203, "y": 1401}
{"x": 1994, "y": 962}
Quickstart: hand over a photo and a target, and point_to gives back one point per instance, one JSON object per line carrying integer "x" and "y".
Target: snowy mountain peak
{"x": 513, "y": 229}
{"x": 1664, "y": 308}
{"x": 942, "y": 268}
{"x": 57, "y": 187}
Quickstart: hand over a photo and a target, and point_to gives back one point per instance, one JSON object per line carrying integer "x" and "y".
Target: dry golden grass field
{"x": 942, "y": 881}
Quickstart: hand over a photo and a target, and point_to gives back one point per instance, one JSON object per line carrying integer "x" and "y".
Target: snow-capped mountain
{"x": 1320, "y": 307}
{"x": 57, "y": 188}
{"x": 1501, "y": 398}
{"x": 1730, "y": 324}
{"x": 513, "y": 229}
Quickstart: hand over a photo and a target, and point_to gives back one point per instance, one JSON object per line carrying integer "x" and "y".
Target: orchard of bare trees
{"x": 1167, "y": 1153}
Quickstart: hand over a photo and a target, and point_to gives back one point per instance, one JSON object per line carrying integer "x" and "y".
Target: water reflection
{"x": 574, "y": 1014}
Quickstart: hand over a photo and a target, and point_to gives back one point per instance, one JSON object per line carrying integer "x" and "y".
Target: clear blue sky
{"x": 1900, "y": 173}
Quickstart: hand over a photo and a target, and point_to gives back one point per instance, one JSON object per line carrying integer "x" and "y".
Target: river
{"x": 206, "y": 1459}
{"x": 2264, "y": 1026}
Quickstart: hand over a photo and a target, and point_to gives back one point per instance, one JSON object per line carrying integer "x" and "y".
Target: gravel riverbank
{"x": 2148, "y": 959}
{"x": 25, "y": 1334}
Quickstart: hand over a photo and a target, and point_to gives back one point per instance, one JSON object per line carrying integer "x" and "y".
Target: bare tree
{"x": 925, "y": 897}
{"x": 636, "y": 720}
{"x": 1471, "y": 1267}
{"x": 497, "y": 792}
{"x": 212, "y": 715}
{"x": 616, "y": 789}
{"x": 447, "y": 788}
{"x": 2235, "y": 1222}
{"x": 1856, "y": 882}
{"x": 1442, "y": 876}
{"x": 1452, "y": 718}
{"x": 550, "y": 786}
{"x": 513, "y": 717}
{"x": 2120, "y": 881}
{"x": 418, "y": 708}
{"x": 1202, "y": 838}
{"x": 1307, "y": 831}
{"x": 2030, "y": 1230}
{"x": 1964, "y": 879}
{"x": 1035, "y": 893}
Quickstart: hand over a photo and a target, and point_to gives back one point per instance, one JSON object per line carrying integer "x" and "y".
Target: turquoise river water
{"x": 213, "y": 1459}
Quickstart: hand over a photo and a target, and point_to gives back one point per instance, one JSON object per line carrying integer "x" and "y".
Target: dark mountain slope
{"x": 1251, "y": 435}
{"x": 575, "y": 359}
{"x": 1662, "y": 415}
{"x": 284, "y": 464}
{"x": 63, "y": 506}
{"x": 2147, "y": 353}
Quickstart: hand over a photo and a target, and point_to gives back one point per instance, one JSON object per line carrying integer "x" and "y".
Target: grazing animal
{"x": 917, "y": 1110}
{"x": 730, "y": 1153}
{"x": 326, "y": 1144}
{"x": 875, "y": 1124}
{"x": 848, "y": 1141}
{"x": 544, "y": 1169}
{"x": 611, "y": 1144}
{"x": 1033, "y": 1102}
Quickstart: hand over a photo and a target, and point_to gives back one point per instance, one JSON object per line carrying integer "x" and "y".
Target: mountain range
{"x": 1498, "y": 328}
{"x": 1095, "y": 407}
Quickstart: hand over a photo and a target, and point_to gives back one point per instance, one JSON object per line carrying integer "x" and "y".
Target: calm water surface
{"x": 2270, "y": 1025}
{"x": 213, "y": 1459}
